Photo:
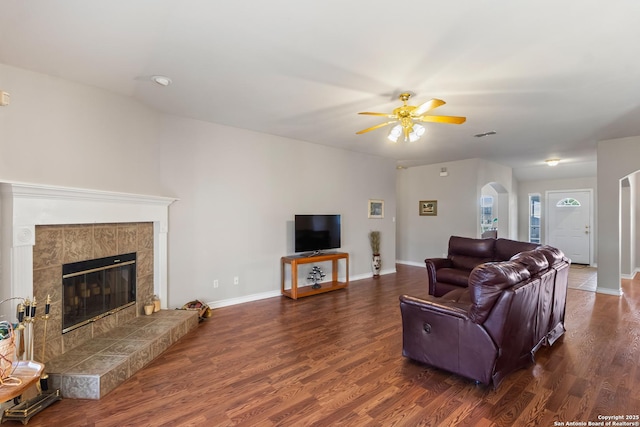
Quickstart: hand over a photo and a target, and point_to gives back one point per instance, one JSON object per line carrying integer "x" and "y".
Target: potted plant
{"x": 376, "y": 262}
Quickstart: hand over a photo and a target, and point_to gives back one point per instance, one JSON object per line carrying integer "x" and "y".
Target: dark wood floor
{"x": 335, "y": 359}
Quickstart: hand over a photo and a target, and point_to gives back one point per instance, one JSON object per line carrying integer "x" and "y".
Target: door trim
{"x": 591, "y": 218}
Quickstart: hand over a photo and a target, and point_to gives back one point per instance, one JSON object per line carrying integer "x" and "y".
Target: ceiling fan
{"x": 407, "y": 115}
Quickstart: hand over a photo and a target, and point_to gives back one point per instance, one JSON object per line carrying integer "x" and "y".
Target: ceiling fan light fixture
{"x": 407, "y": 116}
{"x": 552, "y": 162}
{"x": 395, "y": 133}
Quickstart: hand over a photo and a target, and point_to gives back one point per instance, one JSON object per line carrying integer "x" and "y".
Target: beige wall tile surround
{"x": 60, "y": 244}
{"x": 145, "y": 236}
{"x": 104, "y": 240}
{"x": 48, "y": 248}
{"x": 77, "y": 243}
{"x": 127, "y": 238}
{"x": 144, "y": 262}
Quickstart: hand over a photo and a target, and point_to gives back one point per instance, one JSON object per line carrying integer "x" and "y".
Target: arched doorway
{"x": 494, "y": 209}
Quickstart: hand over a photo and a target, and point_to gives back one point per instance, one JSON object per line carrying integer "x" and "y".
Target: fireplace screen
{"x": 96, "y": 288}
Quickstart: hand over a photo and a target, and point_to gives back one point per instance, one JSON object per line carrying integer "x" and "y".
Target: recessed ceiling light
{"x": 480, "y": 135}
{"x": 161, "y": 80}
{"x": 552, "y": 162}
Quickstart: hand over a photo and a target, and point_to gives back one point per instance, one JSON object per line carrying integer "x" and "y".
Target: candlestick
{"x": 33, "y": 308}
{"x": 27, "y": 310}
{"x": 20, "y": 312}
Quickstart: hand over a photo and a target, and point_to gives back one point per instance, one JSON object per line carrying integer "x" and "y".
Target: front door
{"x": 569, "y": 223}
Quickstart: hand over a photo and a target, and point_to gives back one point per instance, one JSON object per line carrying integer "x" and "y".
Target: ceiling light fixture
{"x": 405, "y": 117}
{"x": 552, "y": 162}
{"x": 395, "y": 133}
{"x": 411, "y": 133}
{"x": 161, "y": 80}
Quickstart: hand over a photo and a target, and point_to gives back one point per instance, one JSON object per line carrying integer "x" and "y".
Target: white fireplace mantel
{"x": 23, "y": 206}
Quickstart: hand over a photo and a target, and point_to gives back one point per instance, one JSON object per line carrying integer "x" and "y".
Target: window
{"x": 487, "y": 221}
{"x": 568, "y": 202}
{"x": 534, "y": 218}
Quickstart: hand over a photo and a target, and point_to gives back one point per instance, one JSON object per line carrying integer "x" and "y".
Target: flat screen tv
{"x": 315, "y": 233}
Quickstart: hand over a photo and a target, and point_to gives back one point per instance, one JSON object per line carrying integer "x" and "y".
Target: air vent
{"x": 480, "y": 135}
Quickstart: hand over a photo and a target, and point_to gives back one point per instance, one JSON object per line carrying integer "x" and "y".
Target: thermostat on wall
{"x": 4, "y": 99}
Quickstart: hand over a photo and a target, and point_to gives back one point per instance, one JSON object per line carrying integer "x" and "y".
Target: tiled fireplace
{"x": 57, "y": 245}
{"x": 44, "y": 227}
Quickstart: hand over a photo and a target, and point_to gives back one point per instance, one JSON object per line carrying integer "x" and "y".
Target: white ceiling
{"x": 551, "y": 77}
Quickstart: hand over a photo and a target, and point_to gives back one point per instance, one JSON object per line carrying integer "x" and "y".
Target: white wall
{"x": 458, "y": 196}
{"x": 502, "y": 177}
{"x": 635, "y": 197}
{"x": 629, "y": 217}
{"x": 61, "y": 133}
{"x": 617, "y": 158}
{"x": 239, "y": 191}
{"x": 626, "y": 262}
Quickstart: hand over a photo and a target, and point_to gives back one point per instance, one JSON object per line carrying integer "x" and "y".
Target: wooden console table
{"x": 294, "y": 260}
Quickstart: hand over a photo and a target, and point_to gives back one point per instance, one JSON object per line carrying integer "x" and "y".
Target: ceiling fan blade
{"x": 368, "y": 113}
{"x": 375, "y": 127}
{"x": 453, "y": 120}
{"x": 427, "y": 106}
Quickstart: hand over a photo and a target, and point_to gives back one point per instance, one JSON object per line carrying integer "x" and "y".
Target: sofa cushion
{"x": 554, "y": 255}
{"x": 486, "y": 283}
{"x": 460, "y": 295}
{"x": 476, "y": 248}
{"x": 505, "y": 248}
{"x": 534, "y": 261}
{"x": 467, "y": 263}
{"x": 453, "y": 276}
{"x": 466, "y": 253}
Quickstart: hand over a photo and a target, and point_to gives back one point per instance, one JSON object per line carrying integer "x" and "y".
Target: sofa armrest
{"x": 438, "y": 332}
{"x": 437, "y": 305}
{"x": 434, "y": 264}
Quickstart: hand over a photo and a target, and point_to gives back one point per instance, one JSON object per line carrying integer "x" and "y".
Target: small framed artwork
{"x": 376, "y": 209}
{"x": 428, "y": 207}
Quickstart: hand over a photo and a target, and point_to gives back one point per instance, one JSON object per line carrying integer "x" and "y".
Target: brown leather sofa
{"x": 464, "y": 254}
{"x": 494, "y": 326}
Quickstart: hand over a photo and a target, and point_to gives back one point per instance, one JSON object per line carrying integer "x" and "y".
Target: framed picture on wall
{"x": 376, "y": 209}
{"x": 428, "y": 207}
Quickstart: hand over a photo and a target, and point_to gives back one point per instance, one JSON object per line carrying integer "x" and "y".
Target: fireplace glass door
{"x": 96, "y": 288}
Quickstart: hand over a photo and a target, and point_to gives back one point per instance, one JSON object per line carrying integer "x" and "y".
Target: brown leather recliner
{"x": 493, "y": 326}
{"x": 464, "y": 254}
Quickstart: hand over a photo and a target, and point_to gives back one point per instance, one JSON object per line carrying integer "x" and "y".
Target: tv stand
{"x": 294, "y": 260}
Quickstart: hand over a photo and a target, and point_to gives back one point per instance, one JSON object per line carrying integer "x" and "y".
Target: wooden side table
{"x": 294, "y": 260}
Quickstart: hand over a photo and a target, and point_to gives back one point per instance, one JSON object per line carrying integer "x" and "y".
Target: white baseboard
{"x": 243, "y": 299}
{"x": 277, "y": 293}
{"x": 370, "y": 275}
{"x": 608, "y": 291}
{"x": 415, "y": 264}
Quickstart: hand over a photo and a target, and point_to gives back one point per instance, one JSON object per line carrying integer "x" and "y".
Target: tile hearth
{"x": 97, "y": 366}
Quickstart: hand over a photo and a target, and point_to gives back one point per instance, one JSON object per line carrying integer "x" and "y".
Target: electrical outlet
{"x": 215, "y": 283}
{"x": 236, "y": 280}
